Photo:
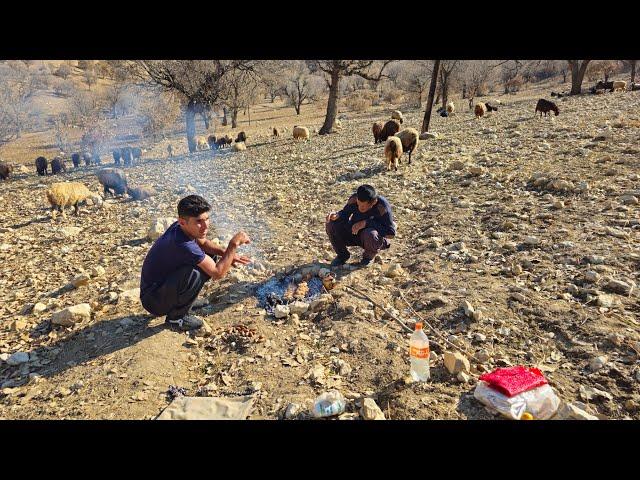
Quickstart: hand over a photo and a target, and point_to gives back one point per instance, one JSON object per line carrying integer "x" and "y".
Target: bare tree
{"x": 335, "y": 71}
{"x": 432, "y": 90}
{"x": 90, "y": 77}
{"x": 577, "y": 75}
{"x": 17, "y": 88}
{"x": 198, "y": 82}
{"x": 239, "y": 85}
{"x": 633, "y": 70}
{"x": 448, "y": 68}
{"x": 299, "y": 86}
{"x": 476, "y": 74}
{"x": 414, "y": 76}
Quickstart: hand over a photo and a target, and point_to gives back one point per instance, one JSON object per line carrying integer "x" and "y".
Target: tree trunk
{"x": 296, "y": 105}
{"x": 464, "y": 90}
{"x": 224, "y": 117}
{"x": 564, "y": 76}
{"x": 577, "y": 75}
{"x": 432, "y": 91}
{"x": 332, "y": 104}
{"x": 205, "y": 117}
{"x": 190, "y": 117}
{"x": 234, "y": 117}
{"x": 249, "y": 113}
{"x": 445, "y": 90}
{"x": 633, "y": 72}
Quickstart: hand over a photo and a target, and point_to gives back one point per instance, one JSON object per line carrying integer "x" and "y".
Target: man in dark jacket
{"x": 366, "y": 221}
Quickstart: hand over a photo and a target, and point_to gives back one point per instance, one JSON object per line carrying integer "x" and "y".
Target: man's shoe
{"x": 187, "y": 322}
{"x": 339, "y": 261}
{"x": 365, "y": 262}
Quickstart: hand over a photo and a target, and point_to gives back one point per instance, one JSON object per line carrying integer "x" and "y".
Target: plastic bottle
{"x": 328, "y": 404}
{"x": 419, "y": 354}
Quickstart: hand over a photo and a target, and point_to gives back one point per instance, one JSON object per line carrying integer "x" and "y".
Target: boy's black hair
{"x": 192, "y": 206}
{"x": 366, "y": 193}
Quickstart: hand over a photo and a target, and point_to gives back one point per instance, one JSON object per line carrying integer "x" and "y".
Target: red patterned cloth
{"x": 514, "y": 380}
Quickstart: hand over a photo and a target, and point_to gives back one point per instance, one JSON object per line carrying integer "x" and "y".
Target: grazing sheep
{"x": 393, "y": 152}
{"x": 619, "y": 85}
{"x": 211, "y": 140}
{"x": 141, "y": 192}
{"x": 201, "y": 143}
{"x": 397, "y": 115}
{"x": 137, "y": 153}
{"x": 451, "y": 107}
{"x": 337, "y": 124}
{"x": 5, "y": 170}
{"x": 57, "y": 166}
{"x": 604, "y": 86}
{"x": 390, "y": 128}
{"x": 221, "y": 142}
{"x": 480, "y": 109}
{"x": 242, "y": 137}
{"x": 116, "y": 156}
{"x": 75, "y": 159}
{"x": 239, "y": 146}
{"x": 66, "y": 194}
{"x": 41, "y": 165}
{"x": 635, "y": 86}
{"x": 87, "y": 159}
{"x": 170, "y": 150}
{"x": 300, "y": 133}
{"x": 113, "y": 179}
{"x": 377, "y": 131}
{"x": 276, "y": 132}
{"x": 95, "y": 158}
{"x": 410, "y": 139}
{"x": 490, "y": 108}
{"x": 545, "y": 106}
{"x": 127, "y": 156}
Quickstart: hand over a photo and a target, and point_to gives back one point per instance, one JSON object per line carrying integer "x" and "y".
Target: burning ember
{"x": 286, "y": 290}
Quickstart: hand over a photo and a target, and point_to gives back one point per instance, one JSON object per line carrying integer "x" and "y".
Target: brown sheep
{"x": 113, "y": 179}
{"x": 397, "y": 115}
{"x": 136, "y": 152}
{"x": 390, "y": 128}
{"x": 242, "y": 137}
{"x": 211, "y": 140}
{"x": 393, "y": 152}
{"x": 87, "y": 158}
{"x": 409, "y": 137}
{"x": 480, "y": 109}
{"x": 140, "y": 193}
{"x": 619, "y": 85}
{"x": 127, "y": 155}
{"x": 41, "y": 165}
{"x": 276, "y": 132}
{"x": 376, "y": 129}
{"x": 545, "y": 106}
{"x": 116, "y": 156}
{"x": 5, "y": 170}
{"x": 75, "y": 159}
{"x": 300, "y": 133}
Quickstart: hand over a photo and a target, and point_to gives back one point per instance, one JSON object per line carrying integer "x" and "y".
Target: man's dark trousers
{"x": 340, "y": 235}
{"x": 175, "y": 296}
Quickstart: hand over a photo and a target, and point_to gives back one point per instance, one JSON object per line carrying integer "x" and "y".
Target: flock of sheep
{"x": 114, "y": 180}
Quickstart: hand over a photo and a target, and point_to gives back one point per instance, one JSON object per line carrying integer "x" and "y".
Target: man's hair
{"x": 192, "y": 206}
{"x": 366, "y": 193}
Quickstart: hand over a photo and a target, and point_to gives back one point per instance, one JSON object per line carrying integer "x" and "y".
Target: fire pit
{"x": 292, "y": 288}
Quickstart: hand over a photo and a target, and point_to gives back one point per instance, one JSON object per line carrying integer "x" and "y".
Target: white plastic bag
{"x": 541, "y": 402}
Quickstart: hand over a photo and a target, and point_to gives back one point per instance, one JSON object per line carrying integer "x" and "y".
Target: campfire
{"x": 292, "y": 288}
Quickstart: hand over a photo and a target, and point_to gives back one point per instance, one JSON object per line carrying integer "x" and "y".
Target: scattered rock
{"x": 80, "y": 280}
{"x": 281, "y": 311}
{"x": 456, "y": 362}
{"x": 570, "y": 412}
{"x": 597, "y": 363}
{"x": 129, "y": 296}
{"x": 370, "y": 410}
{"x": 298, "y": 307}
{"x": 18, "y": 358}
{"x": 72, "y": 315}
{"x": 158, "y": 226}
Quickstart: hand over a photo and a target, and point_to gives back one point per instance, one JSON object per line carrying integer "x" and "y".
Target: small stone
{"x": 80, "y": 280}
{"x": 558, "y": 204}
{"x": 292, "y": 411}
{"x": 394, "y": 271}
{"x": 618, "y": 286}
{"x": 129, "y": 296}
{"x": 572, "y": 412}
{"x": 18, "y": 358}
{"x": 591, "y": 276}
{"x": 18, "y": 325}
{"x": 97, "y": 271}
{"x": 463, "y": 377}
{"x": 370, "y": 410}
{"x": 38, "y": 308}
{"x": 606, "y": 301}
{"x": 158, "y": 226}
{"x": 479, "y": 337}
{"x": 597, "y": 363}
{"x": 72, "y": 315}
{"x": 531, "y": 240}
{"x": 629, "y": 200}
{"x": 428, "y": 136}
{"x": 456, "y": 362}
{"x": 281, "y": 311}
{"x": 298, "y": 307}
{"x": 518, "y": 297}
{"x": 482, "y": 356}
{"x": 468, "y": 309}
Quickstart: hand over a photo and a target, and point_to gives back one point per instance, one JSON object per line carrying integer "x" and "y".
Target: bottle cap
{"x": 418, "y": 325}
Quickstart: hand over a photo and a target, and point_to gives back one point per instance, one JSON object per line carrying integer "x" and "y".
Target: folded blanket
{"x": 514, "y": 380}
